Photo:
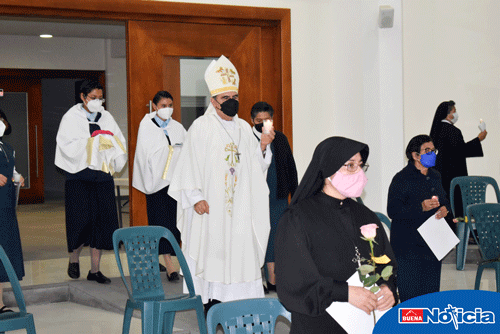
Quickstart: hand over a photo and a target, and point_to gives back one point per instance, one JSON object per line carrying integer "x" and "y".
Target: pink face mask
{"x": 349, "y": 185}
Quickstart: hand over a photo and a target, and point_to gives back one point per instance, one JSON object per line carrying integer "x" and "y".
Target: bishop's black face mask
{"x": 230, "y": 107}
{"x": 259, "y": 127}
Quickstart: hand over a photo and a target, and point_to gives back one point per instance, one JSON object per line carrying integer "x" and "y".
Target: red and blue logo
{"x": 459, "y": 311}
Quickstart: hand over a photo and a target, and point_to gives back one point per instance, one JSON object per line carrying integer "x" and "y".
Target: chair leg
{"x": 479, "y": 273}
{"x": 127, "y": 318}
{"x": 497, "y": 276}
{"x": 463, "y": 232}
{"x": 30, "y": 328}
{"x": 200, "y": 314}
{"x": 167, "y": 325}
{"x": 148, "y": 320}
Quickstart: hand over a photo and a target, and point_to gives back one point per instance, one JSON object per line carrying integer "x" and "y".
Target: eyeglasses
{"x": 96, "y": 98}
{"x": 429, "y": 150}
{"x": 352, "y": 167}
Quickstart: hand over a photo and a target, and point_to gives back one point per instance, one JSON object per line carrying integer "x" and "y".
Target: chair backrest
{"x": 14, "y": 282}
{"x": 246, "y": 316}
{"x": 141, "y": 246}
{"x": 487, "y": 222}
{"x": 473, "y": 190}
{"x": 384, "y": 219}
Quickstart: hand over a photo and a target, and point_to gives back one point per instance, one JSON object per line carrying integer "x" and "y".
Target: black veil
{"x": 328, "y": 158}
{"x": 441, "y": 113}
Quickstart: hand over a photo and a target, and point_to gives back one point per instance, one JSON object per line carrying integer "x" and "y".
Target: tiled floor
{"x": 64, "y": 318}
{"x": 44, "y": 247}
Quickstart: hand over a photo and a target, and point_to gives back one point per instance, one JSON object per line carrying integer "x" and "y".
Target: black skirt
{"x": 162, "y": 211}
{"x": 11, "y": 243}
{"x": 91, "y": 213}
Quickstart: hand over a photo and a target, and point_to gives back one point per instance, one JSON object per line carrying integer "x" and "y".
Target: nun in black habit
{"x": 318, "y": 238}
{"x": 10, "y": 238}
{"x": 452, "y": 149}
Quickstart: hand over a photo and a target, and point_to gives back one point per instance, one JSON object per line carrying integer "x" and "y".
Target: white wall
{"x": 340, "y": 87}
{"x": 51, "y": 53}
{"x": 452, "y": 52}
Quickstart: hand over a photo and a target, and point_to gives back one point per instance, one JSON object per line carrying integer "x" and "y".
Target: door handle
{"x": 150, "y": 106}
{"x": 36, "y": 149}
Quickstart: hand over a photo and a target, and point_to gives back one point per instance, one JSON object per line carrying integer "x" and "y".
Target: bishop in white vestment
{"x": 222, "y": 196}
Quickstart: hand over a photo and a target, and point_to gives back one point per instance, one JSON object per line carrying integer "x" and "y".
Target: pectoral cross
{"x": 232, "y": 148}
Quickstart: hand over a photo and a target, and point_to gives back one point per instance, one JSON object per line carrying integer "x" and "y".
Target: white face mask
{"x": 2, "y": 128}
{"x": 95, "y": 105}
{"x": 165, "y": 113}
{"x": 455, "y": 118}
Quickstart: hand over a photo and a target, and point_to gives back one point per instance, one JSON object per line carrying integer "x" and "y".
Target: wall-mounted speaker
{"x": 385, "y": 17}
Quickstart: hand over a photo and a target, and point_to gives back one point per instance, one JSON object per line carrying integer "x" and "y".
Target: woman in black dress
{"x": 9, "y": 229}
{"x": 319, "y": 241}
{"x": 453, "y": 150}
{"x": 415, "y": 194}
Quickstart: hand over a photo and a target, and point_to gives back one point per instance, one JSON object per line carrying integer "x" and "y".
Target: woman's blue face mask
{"x": 428, "y": 160}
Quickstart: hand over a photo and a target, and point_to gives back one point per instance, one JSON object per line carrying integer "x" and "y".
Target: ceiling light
{"x": 46, "y": 36}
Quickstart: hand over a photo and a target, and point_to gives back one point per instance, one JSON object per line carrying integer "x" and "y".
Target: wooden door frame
{"x": 138, "y": 10}
{"x": 126, "y": 10}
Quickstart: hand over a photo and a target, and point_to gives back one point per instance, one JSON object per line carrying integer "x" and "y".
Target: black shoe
{"x": 207, "y": 306}
{"x": 271, "y": 287}
{"x": 162, "y": 268}
{"x": 98, "y": 277}
{"x": 4, "y": 309}
{"x": 266, "y": 291}
{"x": 173, "y": 276}
{"x": 74, "y": 270}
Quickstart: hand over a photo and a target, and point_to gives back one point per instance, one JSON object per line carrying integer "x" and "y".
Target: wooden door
{"x": 32, "y": 87}
{"x": 155, "y": 48}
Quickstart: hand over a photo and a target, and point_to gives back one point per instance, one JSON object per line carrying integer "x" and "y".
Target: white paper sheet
{"x": 439, "y": 236}
{"x": 351, "y": 318}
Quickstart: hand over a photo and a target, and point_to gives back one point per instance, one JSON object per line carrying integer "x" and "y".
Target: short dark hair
{"x": 89, "y": 85}
{"x": 261, "y": 107}
{"x": 415, "y": 145}
{"x": 162, "y": 94}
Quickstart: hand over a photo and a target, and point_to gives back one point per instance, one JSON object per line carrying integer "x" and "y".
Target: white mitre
{"x": 221, "y": 76}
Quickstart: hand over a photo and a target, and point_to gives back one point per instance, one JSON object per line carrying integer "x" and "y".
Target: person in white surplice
{"x": 159, "y": 144}
{"x": 222, "y": 195}
{"x": 90, "y": 149}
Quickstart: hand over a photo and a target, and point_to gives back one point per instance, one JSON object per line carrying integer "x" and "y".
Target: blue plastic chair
{"x": 11, "y": 321}
{"x": 145, "y": 291}
{"x": 487, "y": 222}
{"x": 384, "y": 219}
{"x": 473, "y": 191}
{"x": 246, "y": 316}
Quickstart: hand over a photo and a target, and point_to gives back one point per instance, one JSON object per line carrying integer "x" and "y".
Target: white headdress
{"x": 221, "y": 76}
